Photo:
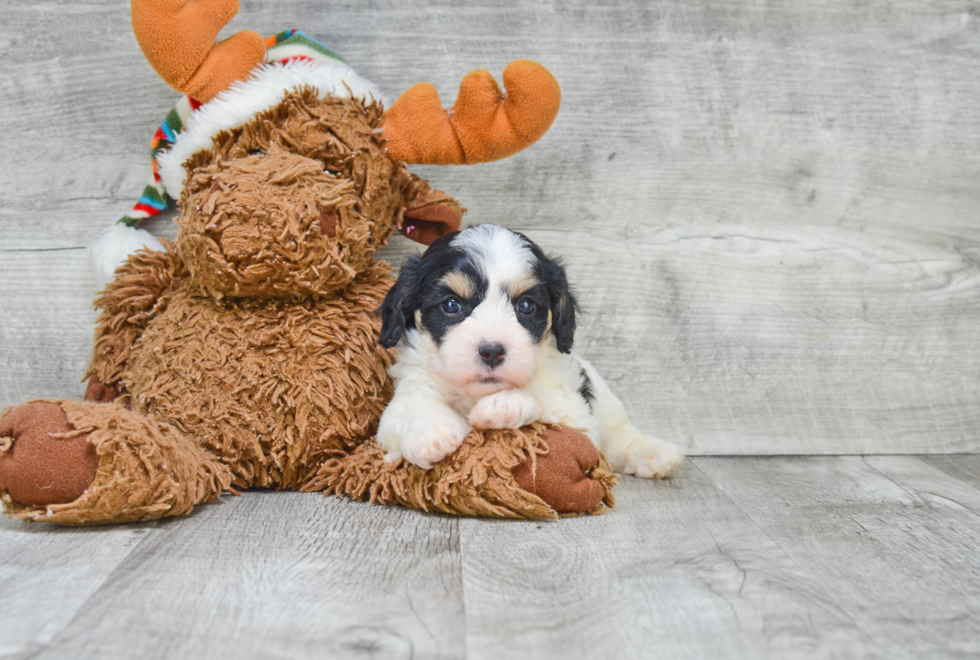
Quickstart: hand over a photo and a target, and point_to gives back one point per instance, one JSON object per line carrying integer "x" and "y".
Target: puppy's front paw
{"x": 509, "y": 409}
{"x": 654, "y": 460}
{"x": 431, "y": 440}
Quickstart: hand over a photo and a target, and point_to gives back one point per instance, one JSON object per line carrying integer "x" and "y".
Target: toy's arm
{"x": 140, "y": 291}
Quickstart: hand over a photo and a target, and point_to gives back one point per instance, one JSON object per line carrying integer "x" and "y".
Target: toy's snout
{"x": 273, "y": 225}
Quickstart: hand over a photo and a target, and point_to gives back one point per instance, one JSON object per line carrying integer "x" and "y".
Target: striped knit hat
{"x": 293, "y": 59}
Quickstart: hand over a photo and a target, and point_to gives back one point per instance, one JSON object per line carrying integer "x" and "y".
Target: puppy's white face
{"x": 482, "y": 302}
{"x": 485, "y": 316}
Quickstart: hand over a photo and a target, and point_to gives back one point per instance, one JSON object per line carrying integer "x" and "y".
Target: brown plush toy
{"x": 246, "y": 353}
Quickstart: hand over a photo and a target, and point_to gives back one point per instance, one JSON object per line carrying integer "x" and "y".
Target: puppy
{"x": 485, "y": 323}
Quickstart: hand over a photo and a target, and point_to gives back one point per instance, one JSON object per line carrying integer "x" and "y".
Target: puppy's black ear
{"x": 563, "y": 303}
{"x": 398, "y": 309}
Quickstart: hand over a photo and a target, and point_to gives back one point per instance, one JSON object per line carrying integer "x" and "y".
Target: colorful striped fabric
{"x": 293, "y": 45}
{"x": 282, "y": 47}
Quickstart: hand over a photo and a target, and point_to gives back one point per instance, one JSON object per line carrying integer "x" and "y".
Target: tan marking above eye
{"x": 460, "y": 284}
{"x": 521, "y": 284}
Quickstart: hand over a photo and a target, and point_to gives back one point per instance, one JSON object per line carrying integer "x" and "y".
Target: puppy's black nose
{"x": 492, "y": 354}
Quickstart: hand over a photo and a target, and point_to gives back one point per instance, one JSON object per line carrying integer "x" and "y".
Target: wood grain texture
{"x": 786, "y": 558}
{"x": 769, "y": 209}
{"x": 675, "y": 571}
{"x": 887, "y": 538}
{"x": 964, "y": 468}
{"x": 45, "y": 333}
{"x": 279, "y": 575}
{"x": 47, "y": 575}
{"x": 931, "y": 482}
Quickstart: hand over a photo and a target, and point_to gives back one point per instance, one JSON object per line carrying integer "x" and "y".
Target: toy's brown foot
{"x": 562, "y": 477}
{"x": 88, "y": 463}
{"x": 42, "y": 460}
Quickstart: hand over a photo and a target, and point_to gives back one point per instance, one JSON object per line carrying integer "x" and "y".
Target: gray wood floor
{"x": 815, "y": 557}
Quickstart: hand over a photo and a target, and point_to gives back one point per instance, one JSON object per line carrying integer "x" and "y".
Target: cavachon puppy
{"x": 484, "y": 322}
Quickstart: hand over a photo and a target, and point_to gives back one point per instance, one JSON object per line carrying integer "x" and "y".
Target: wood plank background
{"x": 770, "y": 209}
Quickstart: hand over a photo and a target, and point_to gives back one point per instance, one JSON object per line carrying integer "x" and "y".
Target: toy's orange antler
{"x": 177, "y": 37}
{"x": 484, "y": 123}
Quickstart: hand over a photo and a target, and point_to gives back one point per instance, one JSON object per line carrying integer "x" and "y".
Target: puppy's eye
{"x": 452, "y": 307}
{"x": 525, "y": 306}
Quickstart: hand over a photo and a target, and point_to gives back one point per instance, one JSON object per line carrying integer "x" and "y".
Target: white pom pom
{"x": 111, "y": 249}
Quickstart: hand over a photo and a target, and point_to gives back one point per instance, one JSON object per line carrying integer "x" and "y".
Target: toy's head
{"x": 289, "y": 171}
{"x": 295, "y": 202}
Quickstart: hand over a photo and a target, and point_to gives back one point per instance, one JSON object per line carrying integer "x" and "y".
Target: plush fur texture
{"x": 238, "y": 105}
{"x": 479, "y": 479}
{"x": 272, "y": 387}
{"x": 485, "y": 323}
{"x": 290, "y": 205}
{"x": 111, "y": 249}
{"x": 146, "y": 470}
{"x": 247, "y": 353}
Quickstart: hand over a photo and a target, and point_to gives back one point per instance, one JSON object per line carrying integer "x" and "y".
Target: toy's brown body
{"x": 247, "y": 353}
{"x": 270, "y": 388}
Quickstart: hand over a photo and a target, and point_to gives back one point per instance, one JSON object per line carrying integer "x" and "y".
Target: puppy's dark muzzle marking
{"x": 492, "y": 354}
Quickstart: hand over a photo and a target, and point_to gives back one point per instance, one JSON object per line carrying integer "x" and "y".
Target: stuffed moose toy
{"x": 247, "y": 353}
